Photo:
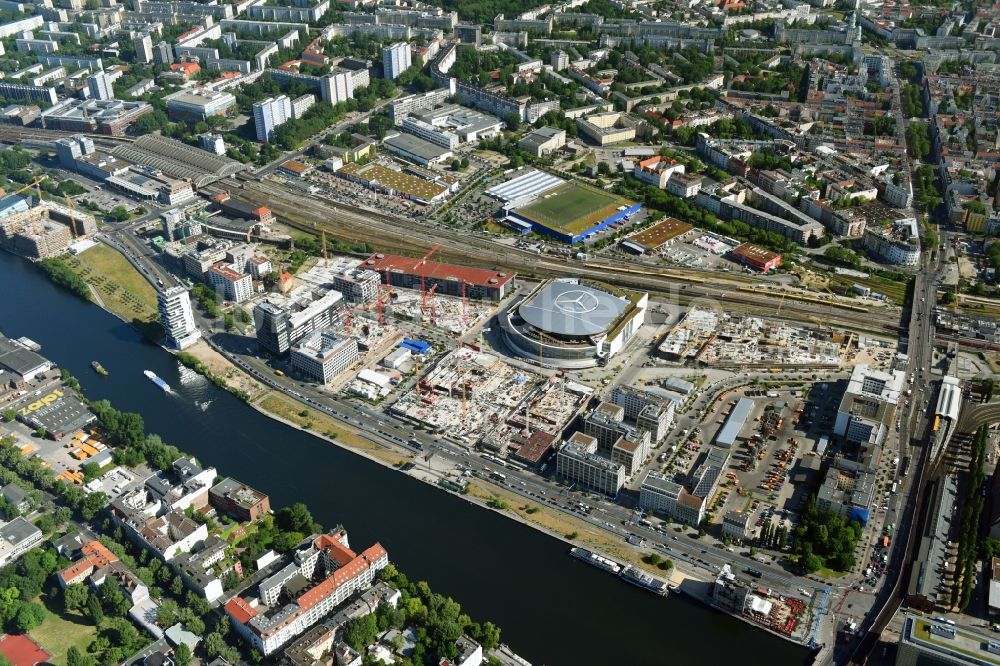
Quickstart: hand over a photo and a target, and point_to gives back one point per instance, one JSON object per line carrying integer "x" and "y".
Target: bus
{"x": 895, "y": 484}
{"x": 497, "y": 476}
{"x": 904, "y": 469}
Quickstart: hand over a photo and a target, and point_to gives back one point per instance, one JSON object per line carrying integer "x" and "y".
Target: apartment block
{"x": 396, "y": 59}
{"x": 238, "y": 500}
{"x": 269, "y": 625}
{"x": 270, "y": 114}
{"x": 234, "y": 285}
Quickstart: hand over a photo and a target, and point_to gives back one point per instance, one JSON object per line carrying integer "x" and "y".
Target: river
{"x": 552, "y": 609}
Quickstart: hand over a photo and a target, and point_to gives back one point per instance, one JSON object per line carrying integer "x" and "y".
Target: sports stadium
{"x": 567, "y": 210}
{"x": 569, "y": 323}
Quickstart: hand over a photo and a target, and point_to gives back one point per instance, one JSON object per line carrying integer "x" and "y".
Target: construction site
{"x": 712, "y": 337}
{"x": 473, "y": 397}
{"x": 452, "y": 315}
{"x": 44, "y": 230}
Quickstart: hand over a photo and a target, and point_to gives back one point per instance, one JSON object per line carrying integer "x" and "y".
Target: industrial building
{"x": 94, "y": 116}
{"x": 577, "y": 461}
{"x": 282, "y": 321}
{"x": 414, "y": 149}
{"x": 198, "y": 104}
{"x": 654, "y": 238}
{"x": 324, "y": 354}
{"x": 572, "y": 324}
{"x": 174, "y": 305}
{"x": 239, "y": 210}
{"x": 737, "y": 419}
{"x": 450, "y": 280}
{"x": 395, "y": 183}
{"x": 543, "y": 141}
{"x": 755, "y": 257}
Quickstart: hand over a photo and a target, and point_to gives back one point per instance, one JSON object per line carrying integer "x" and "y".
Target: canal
{"x": 552, "y": 609}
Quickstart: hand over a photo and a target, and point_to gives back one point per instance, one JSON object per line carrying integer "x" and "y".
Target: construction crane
{"x": 38, "y": 191}
{"x": 464, "y": 306}
{"x": 72, "y": 215}
{"x": 423, "y": 278}
{"x": 429, "y": 301}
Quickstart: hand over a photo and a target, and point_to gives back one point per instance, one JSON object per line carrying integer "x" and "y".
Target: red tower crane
{"x": 423, "y": 278}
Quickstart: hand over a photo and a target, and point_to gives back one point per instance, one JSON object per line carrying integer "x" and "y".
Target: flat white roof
{"x": 530, "y": 184}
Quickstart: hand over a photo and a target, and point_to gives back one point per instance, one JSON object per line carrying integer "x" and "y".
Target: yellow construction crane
{"x": 36, "y": 184}
{"x": 72, "y": 215}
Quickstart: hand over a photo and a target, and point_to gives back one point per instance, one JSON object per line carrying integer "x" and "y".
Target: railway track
{"x": 15, "y": 134}
{"x": 310, "y": 214}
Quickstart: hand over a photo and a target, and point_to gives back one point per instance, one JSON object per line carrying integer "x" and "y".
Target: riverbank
{"x": 562, "y": 525}
{"x": 491, "y": 563}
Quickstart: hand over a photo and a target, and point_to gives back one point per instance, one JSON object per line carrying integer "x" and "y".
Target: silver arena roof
{"x": 566, "y": 309}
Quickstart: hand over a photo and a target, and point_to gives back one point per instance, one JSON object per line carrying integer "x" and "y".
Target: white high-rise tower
{"x": 176, "y": 317}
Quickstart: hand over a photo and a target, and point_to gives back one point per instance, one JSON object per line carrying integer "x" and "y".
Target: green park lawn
{"x": 60, "y": 631}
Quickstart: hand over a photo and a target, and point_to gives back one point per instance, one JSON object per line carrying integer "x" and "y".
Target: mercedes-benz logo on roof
{"x": 576, "y": 302}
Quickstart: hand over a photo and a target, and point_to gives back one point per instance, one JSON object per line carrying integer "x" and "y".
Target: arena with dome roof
{"x": 570, "y": 323}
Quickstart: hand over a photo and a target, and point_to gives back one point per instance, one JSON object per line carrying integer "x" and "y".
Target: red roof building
{"x": 755, "y": 257}
{"x": 93, "y": 556}
{"x": 411, "y": 273}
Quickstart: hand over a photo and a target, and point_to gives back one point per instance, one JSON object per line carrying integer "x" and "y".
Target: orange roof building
{"x": 93, "y": 556}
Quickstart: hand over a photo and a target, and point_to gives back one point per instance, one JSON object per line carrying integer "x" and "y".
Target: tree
{"x": 812, "y": 563}
{"x": 490, "y": 636}
{"x": 360, "y": 632}
{"x": 214, "y": 644}
{"x": 513, "y": 121}
{"x": 94, "y": 609}
{"x": 166, "y": 614}
{"x": 92, "y": 504}
{"x": 29, "y": 616}
{"x": 10, "y": 603}
{"x": 76, "y": 658}
{"x": 9, "y": 415}
{"x": 297, "y": 518}
{"x": 75, "y": 597}
{"x": 182, "y": 655}
{"x": 119, "y": 214}
{"x": 114, "y": 599}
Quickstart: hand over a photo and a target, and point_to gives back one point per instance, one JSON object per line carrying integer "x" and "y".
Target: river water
{"x": 552, "y": 609}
